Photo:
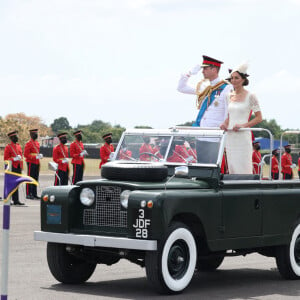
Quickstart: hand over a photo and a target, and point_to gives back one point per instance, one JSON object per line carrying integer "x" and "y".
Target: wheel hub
{"x": 178, "y": 259}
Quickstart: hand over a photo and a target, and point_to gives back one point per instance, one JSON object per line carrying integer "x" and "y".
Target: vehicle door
{"x": 242, "y": 210}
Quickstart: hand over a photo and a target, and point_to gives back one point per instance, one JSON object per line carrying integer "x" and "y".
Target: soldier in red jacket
{"x": 275, "y": 167}
{"x": 32, "y": 155}
{"x": 287, "y": 163}
{"x": 13, "y": 152}
{"x": 60, "y": 156}
{"x": 106, "y": 149}
{"x": 145, "y": 149}
{"x": 77, "y": 153}
{"x": 256, "y": 158}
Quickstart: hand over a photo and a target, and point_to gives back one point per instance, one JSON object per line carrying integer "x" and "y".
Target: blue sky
{"x": 119, "y": 61}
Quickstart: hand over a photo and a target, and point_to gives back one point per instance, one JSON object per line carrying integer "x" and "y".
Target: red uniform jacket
{"x": 286, "y": 162}
{"x": 146, "y": 148}
{"x": 105, "y": 151}
{"x": 32, "y": 148}
{"x": 12, "y": 150}
{"x": 256, "y": 159}
{"x": 275, "y": 168}
{"x": 179, "y": 154}
{"x": 156, "y": 152}
{"x": 182, "y": 151}
{"x": 125, "y": 154}
{"x": 299, "y": 164}
{"x": 75, "y": 149}
{"x": 59, "y": 153}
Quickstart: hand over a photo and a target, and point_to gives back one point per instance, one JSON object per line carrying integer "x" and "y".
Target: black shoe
{"x": 29, "y": 197}
{"x": 19, "y": 203}
{"x": 36, "y": 197}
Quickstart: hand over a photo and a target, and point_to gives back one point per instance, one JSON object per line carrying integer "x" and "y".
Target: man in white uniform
{"x": 211, "y": 101}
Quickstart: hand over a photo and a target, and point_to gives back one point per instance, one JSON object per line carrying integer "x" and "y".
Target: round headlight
{"x": 124, "y": 198}
{"x": 87, "y": 196}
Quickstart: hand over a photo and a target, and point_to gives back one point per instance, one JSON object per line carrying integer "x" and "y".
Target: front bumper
{"x": 96, "y": 241}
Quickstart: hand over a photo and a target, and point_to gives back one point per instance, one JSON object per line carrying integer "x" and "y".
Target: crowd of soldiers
{"x": 13, "y": 152}
{"x": 287, "y": 164}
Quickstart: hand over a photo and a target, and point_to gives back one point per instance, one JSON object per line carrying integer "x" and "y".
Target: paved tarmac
{"x": 250, "y": 277}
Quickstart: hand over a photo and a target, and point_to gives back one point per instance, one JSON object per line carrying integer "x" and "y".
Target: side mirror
{"x": 182, "y": 171}
{"x": 52, "y": 166}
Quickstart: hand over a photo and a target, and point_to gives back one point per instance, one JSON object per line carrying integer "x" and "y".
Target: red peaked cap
{"x": 33, "y": 130}
{"x": 62, "y": 134}
{"x": 12, "y": 133}
{"x": 107, "y": 135}
{"x": 209, "y": 61}
{"x": 77, "y": 132}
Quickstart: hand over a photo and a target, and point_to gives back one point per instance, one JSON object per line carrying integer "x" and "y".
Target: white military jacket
{"x": 217, "y": 112}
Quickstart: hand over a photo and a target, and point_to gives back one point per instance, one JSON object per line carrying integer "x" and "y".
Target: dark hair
{"x": 244, "y": 76}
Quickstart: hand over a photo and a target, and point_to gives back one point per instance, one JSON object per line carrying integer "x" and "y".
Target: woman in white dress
{"x": 240, "y": 105}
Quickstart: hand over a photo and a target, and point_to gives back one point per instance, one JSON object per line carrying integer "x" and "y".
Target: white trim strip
{"x": 95, "y": 240}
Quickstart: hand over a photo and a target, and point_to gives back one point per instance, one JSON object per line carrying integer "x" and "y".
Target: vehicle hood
{"x": 174, "y": 183}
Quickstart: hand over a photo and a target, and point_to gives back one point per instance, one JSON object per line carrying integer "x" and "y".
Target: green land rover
{"x": 163, "y": 204}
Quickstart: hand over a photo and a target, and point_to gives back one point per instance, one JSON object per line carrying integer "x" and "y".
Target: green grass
{"x": 91, "y": 166}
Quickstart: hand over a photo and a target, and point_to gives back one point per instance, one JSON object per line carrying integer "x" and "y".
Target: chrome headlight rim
{"x": 124, "y": 196}
{"x": 87, "y": 196}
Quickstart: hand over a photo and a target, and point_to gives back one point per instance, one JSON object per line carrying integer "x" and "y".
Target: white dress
{"x": 239, "y": 144}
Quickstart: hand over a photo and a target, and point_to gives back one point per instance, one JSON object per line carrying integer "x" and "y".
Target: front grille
{"x": 108, "y": 209}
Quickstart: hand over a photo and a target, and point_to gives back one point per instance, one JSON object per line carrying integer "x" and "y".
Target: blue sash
{"x": 205, "y": 104}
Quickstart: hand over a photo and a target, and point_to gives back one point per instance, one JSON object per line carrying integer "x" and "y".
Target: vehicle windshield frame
{"x": 172, "y": 134}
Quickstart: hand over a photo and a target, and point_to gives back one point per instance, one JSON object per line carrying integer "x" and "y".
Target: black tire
{"x": 209, "y": 264}
{"x": 288, "y": 257}
{"x": 134, "y": 171}
{"x": 171, "y": 268}
{"x": 65, "y": 267}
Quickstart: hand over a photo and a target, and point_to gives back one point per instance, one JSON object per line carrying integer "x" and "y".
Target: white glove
{"x": 39, "y": 156}
{"x": 83, "y": 153}
{"x": 293, "y": 166}
{"x": 65, "y": 161}
{"x": 17, "y": 158}
{"x": 194, "y": 70}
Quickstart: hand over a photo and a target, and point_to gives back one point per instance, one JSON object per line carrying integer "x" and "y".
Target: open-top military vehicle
{"x": 163, "y": 204}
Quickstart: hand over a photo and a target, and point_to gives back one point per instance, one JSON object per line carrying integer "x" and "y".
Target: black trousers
{"x": 287, "y": 176}
{"x": 77, "y": 173}
{"x": 275, "y": 175}
{"x": 33, "y": 170}
{"x": 207, "y": 152}
{"x": 63, "y": 177}
{"x": 15, "y": 195}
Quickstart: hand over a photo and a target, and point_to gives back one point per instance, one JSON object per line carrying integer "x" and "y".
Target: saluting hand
{"x": 194, "y": 70}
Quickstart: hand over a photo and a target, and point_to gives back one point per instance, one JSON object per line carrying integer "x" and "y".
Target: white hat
{"x": 242, "y": 69}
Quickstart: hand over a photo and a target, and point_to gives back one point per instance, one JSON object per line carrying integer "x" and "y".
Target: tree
{"x": 60, "y": 124}
{"x": 186, "y": 124}
{"x": 22, "y": 124}
{"x": 93, "y": 133}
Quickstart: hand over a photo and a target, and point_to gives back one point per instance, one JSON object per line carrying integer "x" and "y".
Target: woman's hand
{"x": 223, "y": 126}
{"x": 237, "y": 127}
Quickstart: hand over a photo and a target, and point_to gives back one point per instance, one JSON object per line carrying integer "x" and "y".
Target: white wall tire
{"x": 288, "y": 257}
{"x": 295, "y": 251}
{"x": 172, "y": 267}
